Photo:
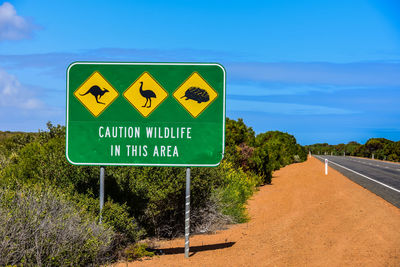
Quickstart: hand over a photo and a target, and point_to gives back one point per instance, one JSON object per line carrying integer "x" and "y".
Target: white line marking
{"x": 367, "y": 177}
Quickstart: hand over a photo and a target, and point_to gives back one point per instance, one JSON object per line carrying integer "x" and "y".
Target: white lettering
{"x": 155, "y": 152}
{"x": 130, "y": 132}
{"x": 100, "y": 129}
{"x": 166, "y": 132}
{"x": 114, "y": 132}
{"x": 172, "y": 133}
{"x": 115, "y": 150}
{"x": 159, "y": 133}
{"x": 175, "y": 154}
{"x": 182, "y": 131}
{"x": 149, "y": 131}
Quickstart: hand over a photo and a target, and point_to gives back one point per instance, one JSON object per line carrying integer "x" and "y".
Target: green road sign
{"x": 145, "y": 114}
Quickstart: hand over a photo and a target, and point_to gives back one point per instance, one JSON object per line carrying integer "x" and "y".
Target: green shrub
{"x": 137, "y": 251}
{"x": 151, "y": 200}
{"x": 41, "y": 226}
{"x": 237, "y": 188}
{"x": 117, "y": 217}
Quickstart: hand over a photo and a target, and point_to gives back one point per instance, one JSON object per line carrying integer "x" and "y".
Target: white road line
{"x": 384, "y": 162}
{"x": 366, "y": 177}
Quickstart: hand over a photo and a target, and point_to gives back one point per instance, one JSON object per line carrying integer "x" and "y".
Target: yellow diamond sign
{"x": 96, "y": 94}
{"x": 145, "y": 94}
{"x": 195, "y": 94}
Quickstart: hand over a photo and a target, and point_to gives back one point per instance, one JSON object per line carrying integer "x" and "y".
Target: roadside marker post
{"x": 146, "y": 114}
{"x": 326, "y": 166}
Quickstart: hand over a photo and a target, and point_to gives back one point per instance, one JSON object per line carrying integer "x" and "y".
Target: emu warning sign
{"x": 145, "y": 114}
{"x": 145, "y": 94}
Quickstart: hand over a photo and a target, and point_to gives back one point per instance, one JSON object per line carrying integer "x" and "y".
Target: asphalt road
{"x": 364, "y": 171}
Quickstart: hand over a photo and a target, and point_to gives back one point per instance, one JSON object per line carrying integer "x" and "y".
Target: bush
{"x": 381, "y": 148}
{"x": 117, "y": 217}
{"x": 41, "y": 226}
{"x": 143, "y": 200}
{"x": 237, "y": 187}
{"x": 137, "y": 251}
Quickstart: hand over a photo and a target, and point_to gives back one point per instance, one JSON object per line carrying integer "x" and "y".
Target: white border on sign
{"x": 148, "y": 164}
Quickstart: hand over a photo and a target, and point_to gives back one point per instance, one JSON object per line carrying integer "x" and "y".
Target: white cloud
{"x": 13, "y": 94}
{"x": 12, "y": 26}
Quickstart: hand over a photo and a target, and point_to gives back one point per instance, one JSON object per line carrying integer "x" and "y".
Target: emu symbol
{"x": 148, "y": 94}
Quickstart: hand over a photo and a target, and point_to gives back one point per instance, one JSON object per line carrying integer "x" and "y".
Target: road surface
{"x": 381, "y": 178}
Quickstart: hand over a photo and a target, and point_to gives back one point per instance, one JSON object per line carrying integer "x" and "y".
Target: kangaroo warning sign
{"x": 145, "y": 114}
{"x": 94, "y": 91}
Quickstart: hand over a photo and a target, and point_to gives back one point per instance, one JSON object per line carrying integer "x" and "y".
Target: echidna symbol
{"x": 196, "y": 94}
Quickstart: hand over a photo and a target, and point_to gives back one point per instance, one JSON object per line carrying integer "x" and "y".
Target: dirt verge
{"x": 303, "y": 219}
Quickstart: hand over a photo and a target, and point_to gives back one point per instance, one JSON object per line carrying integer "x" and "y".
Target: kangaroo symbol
{"x": 148, "y": 94}
{"x": 97, "y": 92}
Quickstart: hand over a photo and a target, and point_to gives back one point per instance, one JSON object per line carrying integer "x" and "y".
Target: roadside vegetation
{"x": 381, "y": 148}
{"x": 49, "y": 209}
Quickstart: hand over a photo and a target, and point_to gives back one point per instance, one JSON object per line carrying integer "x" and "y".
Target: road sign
{"x": 145, "y": 114}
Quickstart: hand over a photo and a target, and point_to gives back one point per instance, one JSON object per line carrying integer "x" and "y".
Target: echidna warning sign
{"x": 145, "y": 114}
{"x": 196, "y": 89}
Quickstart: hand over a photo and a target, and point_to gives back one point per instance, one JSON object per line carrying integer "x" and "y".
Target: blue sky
{"x": 324, "y": 71}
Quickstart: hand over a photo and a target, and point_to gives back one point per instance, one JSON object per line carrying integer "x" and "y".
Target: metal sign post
{"x": 102, "y": 171}
{"x": 187, "y": 213}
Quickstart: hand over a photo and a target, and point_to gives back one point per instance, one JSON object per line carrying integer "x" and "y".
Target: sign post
{"x": 187, "y": 213}
{"x": 146, "y": 114}
{"x": 102, "y": 173}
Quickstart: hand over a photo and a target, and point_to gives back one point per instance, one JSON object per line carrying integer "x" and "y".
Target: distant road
{"x": 381, "y": 178}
